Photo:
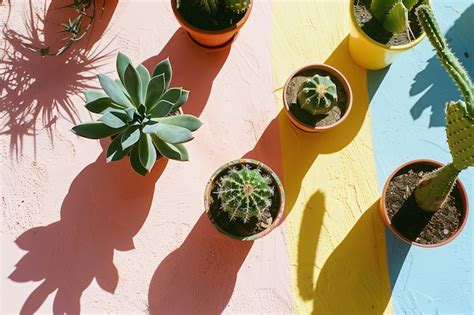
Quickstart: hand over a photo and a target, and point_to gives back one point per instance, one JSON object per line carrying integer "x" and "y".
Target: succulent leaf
{"x": 164, "y": 68}
{"x": 147, "y": 152}
{"x": 317, "y": 95}
{"x": 115, "y": 151}
{"x": 130, "y": 136}
{"x": 460, "y": 133}
{"x": 182, "y": 99}
{"x": 245, "y": 193}
{"x": 99, "y": 105}
{"x": 186, "y": 121}
{"x": 169, "y": 133}
{"x": 114, "y": 91}
{"x": 93, "y": 95}
{"x": 135, "y": 161}
{"x": 94, "y": 130}
{"x": 144, "y": 78}
{"x": 170, "y": 151}
{"x": 133, "y": 84}
{"x": 155, "y": 90}
{"x": 112, "y": 120}
{"x": 161, "y": 109}
{"x": 122, "y": 63}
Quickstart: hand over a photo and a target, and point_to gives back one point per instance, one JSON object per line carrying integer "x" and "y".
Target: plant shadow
{"x": 100, "y": 214}
{"x": 300, "y": 149}
{"x": 198, "y": 277}
{"x": 194, "y": 68}
{"x": 434, "y": 82}
{"x": 353, "y": 270}
{"x": 34, "y": 90}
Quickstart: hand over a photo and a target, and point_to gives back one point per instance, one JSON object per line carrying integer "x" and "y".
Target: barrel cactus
{"x": 245, "y": 193}
{"x": 434, "y": 189}
{"x": 393, "y": 14}
{"x": 235, "y": 6}
{"x": 139, "y": 112}
{"x": 317, "y": 95}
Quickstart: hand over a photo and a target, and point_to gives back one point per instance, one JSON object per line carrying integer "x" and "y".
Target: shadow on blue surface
{"x": 436, "y": 84}
{"x": 397, "y": 252}
{"x": 375, "y": 78}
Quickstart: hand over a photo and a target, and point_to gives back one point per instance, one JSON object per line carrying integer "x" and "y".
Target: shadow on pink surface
{"x": 194, "y": 68}
{"x": 199, "y": 277}
{"x": 34, "y": 90}
{"x": 104, "y": 209}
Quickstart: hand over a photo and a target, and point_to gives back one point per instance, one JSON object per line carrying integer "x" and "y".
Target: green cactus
{"x": 317, "y": 95}
{"x": 235, "y": 6}
{"x": 245, "y": 193}
{"x": 138, "y": 112}
{"x": 434, "y": 188}
{"x": 393, "y": 14}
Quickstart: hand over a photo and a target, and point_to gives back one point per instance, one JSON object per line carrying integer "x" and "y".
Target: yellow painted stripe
{"x": 335, "y": 237}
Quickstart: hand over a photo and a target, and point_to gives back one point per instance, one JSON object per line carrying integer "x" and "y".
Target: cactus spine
{"x": 245, "y": 193}
{"x": 235, "y": 6}
{"x": 317, "y": 95}
{"x": 434, "y": 189}
{"x": 393, "y": 14}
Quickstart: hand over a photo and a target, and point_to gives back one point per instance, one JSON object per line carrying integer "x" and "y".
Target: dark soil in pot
{"x": 374, "y": 29}
{"x": 335, "y": 114}
{"x": 237, "y": 227}
{"x": 195, "y": 14}
{"x": 410, "y": 220}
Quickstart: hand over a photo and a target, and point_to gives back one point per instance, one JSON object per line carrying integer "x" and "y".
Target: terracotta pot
{"x": 212, "y": 39}
{"x": 341, "y": 78}
{"x": 279, "y": 190}
{"x": 386, "y": 220}
{"x": 370, "y": 54}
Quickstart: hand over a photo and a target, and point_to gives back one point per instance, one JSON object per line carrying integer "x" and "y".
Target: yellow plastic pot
{"x": 370, "y": 54}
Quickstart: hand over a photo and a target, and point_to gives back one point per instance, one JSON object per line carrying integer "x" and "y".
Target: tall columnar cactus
{"x": 235, "y": 6}
{"x": 393, "y": 14}
{"x": 245, "y": 193}
{"x": 317, "y": 95}
{"x": 434, "y": 188}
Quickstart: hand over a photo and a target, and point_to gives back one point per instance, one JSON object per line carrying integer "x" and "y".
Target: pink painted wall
{"x": 77, "y": 233}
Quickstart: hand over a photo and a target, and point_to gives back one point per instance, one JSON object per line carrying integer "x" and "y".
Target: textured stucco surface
{"x": 79, "y": 234}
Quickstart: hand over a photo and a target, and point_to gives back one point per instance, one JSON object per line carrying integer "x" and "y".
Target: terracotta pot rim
{"x": 277, "y": 182}
{"x": 342, "y": 79}
{"x": 232, "y": 28}
{"x": 386, "y": 219}
{"x": 370, "y": 39}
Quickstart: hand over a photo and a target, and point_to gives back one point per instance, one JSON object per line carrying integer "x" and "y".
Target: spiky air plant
{"x": 393, "y": 14}
{"x": 434, "y": 188}
{"x": 139, "y": 111}
{"x": 235, "y": 6}
{"x": 245, "y": 193}
{"x": 317, "y": 95}
{"x": 77, "y": 28}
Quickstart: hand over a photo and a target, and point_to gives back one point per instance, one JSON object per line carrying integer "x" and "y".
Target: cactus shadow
{"x": 353, "y": 269}
{"x": 299, "y": 150}
{"x": 198, "y": 277}
{"x": 98, "y": 216}
{"x": 194, "y": 68}
{"x": 36, "y": 91}
{"x": 434, "y": 82}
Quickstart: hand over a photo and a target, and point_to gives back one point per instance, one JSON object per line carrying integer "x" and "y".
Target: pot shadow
{"x": 300, "y": 149}
{"x": 198, "y": 277}
{"x": 99, "y": 214}
{"x": 374, "y": 80}
{"x": 434, "y": 82}
{"x": 353, "y": 269}
{"x": 194, "y": 68}
{"x": 34, "y": 90}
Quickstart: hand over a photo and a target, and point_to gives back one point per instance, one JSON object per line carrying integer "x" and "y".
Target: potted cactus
{"x": 423, "y": 202}
{"x": 317, "y": 98}
{"x": 142, "y": 115}
{"x": 212, "y": 23}
{"x": 244, "y": 199}
{"x": 381, "y": 30}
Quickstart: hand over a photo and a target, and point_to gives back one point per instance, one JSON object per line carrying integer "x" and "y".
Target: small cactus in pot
{"x": 244, "y": 199}
{"x": 245, "y": 193}
{"x": 139, "y": 112}
{"x": 317, "y": 95}
{"x": 434, "y": 189}
{"x": 234, "y": 6}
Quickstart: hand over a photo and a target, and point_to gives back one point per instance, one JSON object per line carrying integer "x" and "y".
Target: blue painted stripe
{"x": 407, "y": 113}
